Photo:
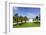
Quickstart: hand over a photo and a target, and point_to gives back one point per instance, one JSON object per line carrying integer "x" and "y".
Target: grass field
{"x": 33, "y": 24}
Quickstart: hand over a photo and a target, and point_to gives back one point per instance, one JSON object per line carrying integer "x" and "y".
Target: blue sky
{"x": 26, "y": 11}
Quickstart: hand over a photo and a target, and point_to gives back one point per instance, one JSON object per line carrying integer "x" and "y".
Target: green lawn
{"x": 33, "y": 24}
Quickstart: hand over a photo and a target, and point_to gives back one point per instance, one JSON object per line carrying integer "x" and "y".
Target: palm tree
{"x": 25, "y": 19}
{"x": 37, "y": 18}
{"x": 13, "y": 19}
{"x": 16, "y": 17}
{"x": 21, "y": 19}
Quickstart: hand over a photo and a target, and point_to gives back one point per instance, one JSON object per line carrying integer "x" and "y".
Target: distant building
{"x": 30, "y": 20}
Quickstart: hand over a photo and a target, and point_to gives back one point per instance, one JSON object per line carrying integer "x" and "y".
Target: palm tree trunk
{"x": 25, "y": 21}
{"x": 21, "y": 22}
{"x": 17, "y": 20}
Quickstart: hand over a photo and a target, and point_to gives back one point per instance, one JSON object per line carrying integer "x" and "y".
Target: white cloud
{"x": 30, "y": 15}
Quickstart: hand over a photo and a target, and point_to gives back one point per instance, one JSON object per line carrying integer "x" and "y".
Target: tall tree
{"x": 21, "y": 19}
{"x": 37, "y": 18}
{"x": 25, "y": 19}
{"x": 16, "y": 17}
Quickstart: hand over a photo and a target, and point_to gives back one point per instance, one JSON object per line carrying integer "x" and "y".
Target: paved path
{"x": 26, "y": 21}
